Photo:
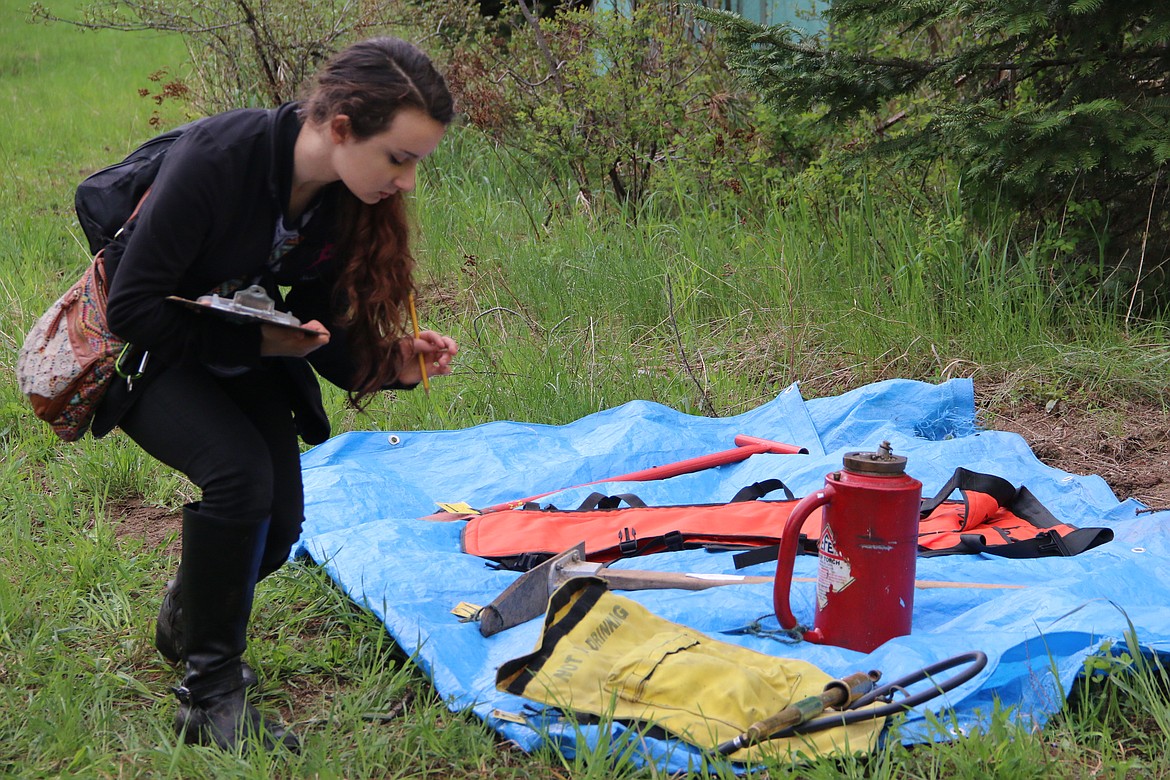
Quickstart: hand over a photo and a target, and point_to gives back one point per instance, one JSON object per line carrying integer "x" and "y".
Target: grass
{"x": 559, "y": 313}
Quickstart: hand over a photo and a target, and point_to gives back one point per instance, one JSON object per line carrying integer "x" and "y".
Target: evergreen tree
{"x": 1041, "y": 103}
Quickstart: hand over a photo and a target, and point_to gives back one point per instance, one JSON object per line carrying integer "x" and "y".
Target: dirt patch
{"x": 155, "y": 527}
{"x": 1126, "y": 444}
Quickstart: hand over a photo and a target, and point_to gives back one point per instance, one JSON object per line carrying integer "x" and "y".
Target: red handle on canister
{"x": 786, "y": 558}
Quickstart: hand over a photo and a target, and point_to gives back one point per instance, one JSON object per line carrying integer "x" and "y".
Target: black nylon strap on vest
{"x": 997, "y": 487}
{"x": 1043, "y": 545}
{"x": 1020, "y": 502}
{"x": 627, "y": 542}
{"x": 1029, "y": 507}
{"x": 761, "y": 489}
{"x": 602, "y": 501}
{"x": 523, "y": 562}
{"x": 767, "y": 554}
{"x": 1023, "y": 504}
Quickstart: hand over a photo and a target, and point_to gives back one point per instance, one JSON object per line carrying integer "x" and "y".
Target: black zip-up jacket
{"x": 210, "y": 220}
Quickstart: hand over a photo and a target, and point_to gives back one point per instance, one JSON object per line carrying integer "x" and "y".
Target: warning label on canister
{"x": 835, "y": 573}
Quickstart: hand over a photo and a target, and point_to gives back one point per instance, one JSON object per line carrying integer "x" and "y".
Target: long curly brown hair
{"x": 371, "y": 82}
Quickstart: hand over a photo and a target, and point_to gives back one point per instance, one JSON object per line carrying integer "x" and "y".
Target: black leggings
{"x": 235, "y": 439}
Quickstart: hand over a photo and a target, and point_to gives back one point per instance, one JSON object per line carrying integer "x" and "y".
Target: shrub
{"x": 261, "y": 52}
{"x": 609, "y": 102}
{"x": 1038, "y": 104}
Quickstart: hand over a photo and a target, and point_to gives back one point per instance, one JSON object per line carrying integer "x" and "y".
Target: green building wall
{"x": 805, "y": 15}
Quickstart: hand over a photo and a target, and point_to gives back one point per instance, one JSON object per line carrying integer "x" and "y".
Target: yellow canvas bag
{"x": 606, "y": 655}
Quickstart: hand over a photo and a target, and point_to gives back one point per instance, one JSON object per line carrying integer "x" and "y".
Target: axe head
{"x": 527, "y": 596}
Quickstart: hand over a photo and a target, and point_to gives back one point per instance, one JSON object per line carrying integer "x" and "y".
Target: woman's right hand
{"x": 285, "y": 342}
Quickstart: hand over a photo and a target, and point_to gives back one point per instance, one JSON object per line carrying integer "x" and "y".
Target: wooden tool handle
{"x": 630, "y": 579}
{"x": 627, "y": 579}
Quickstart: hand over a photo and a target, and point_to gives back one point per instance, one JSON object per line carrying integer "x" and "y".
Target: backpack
{"x": 70, "y": 356}
{"x": 992, "y": 516}
{"x": 106, "y": 198}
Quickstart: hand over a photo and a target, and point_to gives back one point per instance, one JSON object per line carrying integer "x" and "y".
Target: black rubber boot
{"x": 278, "y": 545}
{"x": 168, "y": 631}
{"x": 220, "y": 562}
{"x": 168, "y": 628}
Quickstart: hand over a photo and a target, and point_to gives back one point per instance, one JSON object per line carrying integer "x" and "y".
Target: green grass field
{"x": 707, "y": 310}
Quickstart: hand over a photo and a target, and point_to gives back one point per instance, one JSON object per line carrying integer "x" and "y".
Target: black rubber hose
{"x": 975, "y": 661}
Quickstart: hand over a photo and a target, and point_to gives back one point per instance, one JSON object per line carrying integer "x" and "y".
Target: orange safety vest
{"x": 993, "y": 517}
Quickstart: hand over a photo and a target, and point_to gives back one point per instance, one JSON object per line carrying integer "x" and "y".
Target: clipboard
{"x": 243, "y": 315}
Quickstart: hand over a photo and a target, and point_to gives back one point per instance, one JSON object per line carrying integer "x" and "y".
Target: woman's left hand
{"x": 437, "y": 351}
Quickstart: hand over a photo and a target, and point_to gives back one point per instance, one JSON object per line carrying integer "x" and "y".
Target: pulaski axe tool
{"x": 527, "y": 596}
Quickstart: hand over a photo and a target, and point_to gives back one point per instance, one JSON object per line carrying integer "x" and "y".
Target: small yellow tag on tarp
{"x": 609, "y": 656}
{"x": 458, "y": 508}
{"x": 466, "y": 611}
{"x": 511, "y": 717}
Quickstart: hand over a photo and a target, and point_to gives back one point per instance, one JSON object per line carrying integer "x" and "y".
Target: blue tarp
{"x": 366, "y": 492}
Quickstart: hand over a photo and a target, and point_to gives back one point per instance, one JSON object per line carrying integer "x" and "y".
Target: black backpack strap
{"x": 963, "y": 479}
{"x": 1028, "y": 507}
{"x": 597, "y": 500}
{"x": 523, "y": 562}
{"x": 761, "y": 489}
{"x": 1045, "y": 545}
{"x": 759, "y": 555}
{"x": 105, "y": 198}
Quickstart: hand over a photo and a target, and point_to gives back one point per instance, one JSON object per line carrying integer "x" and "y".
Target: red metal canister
{"x": 867, "y": 552}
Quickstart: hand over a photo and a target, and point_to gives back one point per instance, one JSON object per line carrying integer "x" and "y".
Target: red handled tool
{"x": 745, "y": 447}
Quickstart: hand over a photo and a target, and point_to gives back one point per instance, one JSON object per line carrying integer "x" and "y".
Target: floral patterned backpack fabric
{"x": 70, "y": 356}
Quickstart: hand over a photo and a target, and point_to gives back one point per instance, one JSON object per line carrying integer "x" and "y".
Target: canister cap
{"x": 884, "y": 461}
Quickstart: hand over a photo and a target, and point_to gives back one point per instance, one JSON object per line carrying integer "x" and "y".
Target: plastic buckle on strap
{"x": 673, "y": 541}
{"x": 1051, "y": 543}
{"x": 627, "y": 541}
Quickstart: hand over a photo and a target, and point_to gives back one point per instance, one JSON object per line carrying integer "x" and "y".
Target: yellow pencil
{"x": 422, "y": 363}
